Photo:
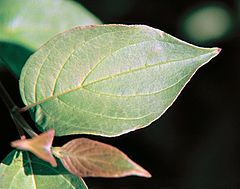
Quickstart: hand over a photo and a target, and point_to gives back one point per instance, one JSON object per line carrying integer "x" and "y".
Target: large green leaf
{"x": 23, "y": 170}
{"x": 32, "y": 22}
{"x": 107, "y": 79}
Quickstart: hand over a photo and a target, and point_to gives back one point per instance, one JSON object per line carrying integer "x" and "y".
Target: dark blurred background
{"x": 196, "y": 143}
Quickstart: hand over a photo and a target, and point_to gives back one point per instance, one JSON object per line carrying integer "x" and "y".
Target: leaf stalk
{"x": 19, "y": 121}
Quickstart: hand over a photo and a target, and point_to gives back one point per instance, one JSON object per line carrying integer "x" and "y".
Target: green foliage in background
{"x": 25, "y": 25}
{"x": 24, "y": 170}
{"x": 32, "y": 23}
{"x": 209, "y": 22}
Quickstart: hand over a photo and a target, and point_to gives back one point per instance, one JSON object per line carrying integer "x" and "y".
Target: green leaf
{"x": 22, "y": 169}
{"x": 25, "y": 25}
{"x": 31, "y": 22}
{"x": 88, "y": 158}
{"x": 2, "y": 63}
{"x": 13, "y": 57}
{"x": 107, "y": 79}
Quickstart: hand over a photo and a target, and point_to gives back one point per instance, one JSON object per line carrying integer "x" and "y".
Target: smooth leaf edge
{"x": 137, "y": 171}
{"x": 214, "y": 51}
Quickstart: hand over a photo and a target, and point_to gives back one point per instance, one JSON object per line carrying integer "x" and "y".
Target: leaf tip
{"x": 13, "y": 144}
{"x": 142, "y": 172}
{"x": 145, "y": 173}
{"x": 218, "y": 50}
{"x": 51, "y": 133}
{"x": 19, "y": 144}
{"x": 53, "y": 162}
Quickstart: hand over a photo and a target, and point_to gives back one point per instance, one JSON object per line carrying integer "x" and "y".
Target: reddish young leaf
{"x": 87, "y": 158}
{"x": 39, "y": 145}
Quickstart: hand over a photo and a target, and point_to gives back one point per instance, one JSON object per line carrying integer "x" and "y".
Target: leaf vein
{"x": 102, "y": 79}
{"x": 102, "y": 115}
{"x": 136, "y": 95}
{"x": 31, "y": 168}
{"x": 73, "y": 51}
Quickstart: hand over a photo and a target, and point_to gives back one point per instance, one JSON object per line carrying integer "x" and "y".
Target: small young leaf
{"x": 87, "y": 158}
{"x": 39, "y": 145}
{"x": 107, "y": 79}
{"x": 31, "y": 22}
{"x": 24, "y": 170}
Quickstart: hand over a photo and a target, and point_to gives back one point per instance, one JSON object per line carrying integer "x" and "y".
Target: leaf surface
{"x": 23, "y": 170}
{"x": 107, "y": 79}
{"x": 13, "y": 57}
{"x": 88, "y": 158}
{"x": 32, "y": 22}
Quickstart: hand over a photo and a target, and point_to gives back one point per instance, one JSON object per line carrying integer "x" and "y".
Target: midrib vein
{"x": 57, "y": 172}
{"x": 103, "y": 79}
{"x": 74, "y": 50}
{"x": 31, "y": 168}
{"x": 140, "y": 94}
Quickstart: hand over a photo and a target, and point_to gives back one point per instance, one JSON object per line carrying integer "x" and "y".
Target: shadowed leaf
{"x": 23, "y": 170}
{"x": 13, "y": 57}
{"x": 107, "y": 79}
{"x": 87, "y": 158}
{"x": 39, "y": 145}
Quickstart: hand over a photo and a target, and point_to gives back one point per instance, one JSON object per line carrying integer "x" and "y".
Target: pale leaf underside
{"x": 107, "y": 79}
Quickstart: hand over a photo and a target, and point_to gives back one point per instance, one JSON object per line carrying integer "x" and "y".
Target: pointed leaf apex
{"x": 218, "y": 50}
{"x": 215, "y": 50}
{"x": 142, "y": 172}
